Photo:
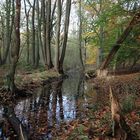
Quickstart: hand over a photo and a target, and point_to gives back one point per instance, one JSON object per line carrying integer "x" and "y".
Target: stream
{"x": 52, "y": 104}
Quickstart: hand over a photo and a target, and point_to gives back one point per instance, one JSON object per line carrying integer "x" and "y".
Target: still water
{"x": 53, "y": 104}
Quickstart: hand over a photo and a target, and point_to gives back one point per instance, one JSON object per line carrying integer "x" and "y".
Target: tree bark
{"x": 9, "y": 27}
{"x": 57, "y": 49}
{"x": 135, "y": 20}
{"x": 43, "y": 5}
{"x": 33, "y": 33}
{"x": 15, "y": 49}
{"x": 80, "y": 34}
{"x": 28, "y": 33}
{"x": 39, "y": 18}
{"x": 48, "y": 35}
{"x": 66, "y": 27}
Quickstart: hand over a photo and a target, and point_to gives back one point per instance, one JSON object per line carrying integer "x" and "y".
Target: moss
{"x": 35, "y": 78}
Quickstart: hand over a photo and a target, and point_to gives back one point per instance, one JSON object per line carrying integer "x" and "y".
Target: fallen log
{"x": 15, "y": 122}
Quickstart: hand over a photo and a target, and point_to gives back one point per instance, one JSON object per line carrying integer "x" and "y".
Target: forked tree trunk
{"x": 135, "y": 20}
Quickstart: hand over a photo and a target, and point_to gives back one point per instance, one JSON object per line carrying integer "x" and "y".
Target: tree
{"x": 80, "y": 34}
{"x": 66, "y": 27}
{"x": 27, "y": 30}
{"x": 33, "y": 33}
{"x": 48, "y": 34}
{"x": 57, "y": 48}
{"x": 15, "y": 49}
{"x": 135, "y": 20}
{"x": 9, "y": 27}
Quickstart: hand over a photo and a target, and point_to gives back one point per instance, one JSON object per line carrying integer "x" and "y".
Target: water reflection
{"x": 54, "y": 103}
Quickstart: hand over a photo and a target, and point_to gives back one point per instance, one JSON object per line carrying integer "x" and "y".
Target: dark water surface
{"x": 54, "y": 103}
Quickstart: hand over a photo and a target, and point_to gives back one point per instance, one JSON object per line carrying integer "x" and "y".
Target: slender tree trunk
{"x": 15, "y": 49}
{"x": 9, "y": 27}
{"x": 57, "y": 50}
{"x": 33, "y": 33}
{"x": 85, "y": 51}
{"x": 80, "y": 34}
{"x": 28, "y": 33}
{"x": 66, "y": 27}
{"x": 39, "y": 18}
{"x": 52, "y": 17}
{"x": 48, "y": 35}
{"x": 43, "y": 5}
{"x": 2, "y": 37}
{"x": 0, "y": 54}
{"x": 135, "y": 20}
{"x": 38, "y": 34}
{"x": 100, "y": 49}
{"x": 37, "y": 50}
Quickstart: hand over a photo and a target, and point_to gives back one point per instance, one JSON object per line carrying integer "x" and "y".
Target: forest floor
{"x": 98, "y": 122}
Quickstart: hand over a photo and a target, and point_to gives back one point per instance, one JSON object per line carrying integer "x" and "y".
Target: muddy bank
{"x": 120, "y": 83}
{"x": 27, "y": 84}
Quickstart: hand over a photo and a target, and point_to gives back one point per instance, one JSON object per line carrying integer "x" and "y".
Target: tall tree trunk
{"x": 33, "y": 33}
{"x": 15, "y": 49}
{"x": 38, "y": 34}
{"x": 52, "y": 17}
{"x": 0, "y": 54}
{"x": 37, "y": 50}
{"x": 100, "y": 49}
{"x": 66, "y": 27}
{"x": 48, "y": 35}
{"x": 135, "y": 20}
{"x": 43, "y": 5}
{"x": 9, "y": 27}
{"x": 39, "y": 18}
{"x": 28, "y": 33}
{"x": 80, "y": 34}
{"x": 57, "y": 51}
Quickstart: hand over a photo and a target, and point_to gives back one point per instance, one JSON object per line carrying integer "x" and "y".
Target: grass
{"x": 128, "y": 104}
{"x": 35, "y": 77}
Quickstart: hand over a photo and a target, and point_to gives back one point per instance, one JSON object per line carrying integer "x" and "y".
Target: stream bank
{"x": 74, "y": 109}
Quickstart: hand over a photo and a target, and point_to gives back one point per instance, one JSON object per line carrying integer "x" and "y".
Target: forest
{"x": 70, "y": 69}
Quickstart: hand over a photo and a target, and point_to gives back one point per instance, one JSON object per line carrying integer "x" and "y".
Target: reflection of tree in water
{"x": 43, "y": 114}
{"x": 14, "y": 124}
{"x": 79, "y": 94}
{"x": 40, "y": 113}
{"x": 57, "y": 99}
